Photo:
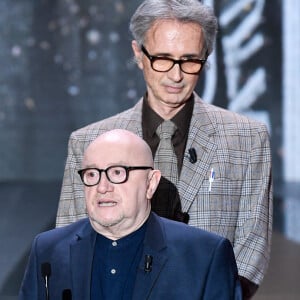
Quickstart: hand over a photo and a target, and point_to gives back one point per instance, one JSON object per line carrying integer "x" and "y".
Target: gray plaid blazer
{"x": 239, "y": 205}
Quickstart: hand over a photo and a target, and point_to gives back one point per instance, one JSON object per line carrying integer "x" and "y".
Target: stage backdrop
{"x": 68, "y": 63}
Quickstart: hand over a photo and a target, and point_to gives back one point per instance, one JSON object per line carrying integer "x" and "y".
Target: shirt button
{"x": 113, "y": 271}
{"x": 114, "y": 243}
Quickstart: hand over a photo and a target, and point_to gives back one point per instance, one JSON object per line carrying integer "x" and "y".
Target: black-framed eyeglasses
{"x": 115, "y": 174}
{"x": 165, "y": 64}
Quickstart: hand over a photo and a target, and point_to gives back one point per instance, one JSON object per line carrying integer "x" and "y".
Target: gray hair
{"x": 182, "y": 10}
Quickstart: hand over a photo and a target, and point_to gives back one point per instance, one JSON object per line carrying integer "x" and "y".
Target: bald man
{"x": 123, "y": 250}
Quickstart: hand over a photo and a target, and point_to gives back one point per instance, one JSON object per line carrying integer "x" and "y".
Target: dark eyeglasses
{"x": 115, "y": 174}
{"x": 165, "y": 64}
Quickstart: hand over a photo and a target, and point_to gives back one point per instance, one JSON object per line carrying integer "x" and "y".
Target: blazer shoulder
{"x": 182, "y": 234}
{"x": 224, "y": 118}
{"x": 120, "y": 120}
{"x": 63, "y": 234}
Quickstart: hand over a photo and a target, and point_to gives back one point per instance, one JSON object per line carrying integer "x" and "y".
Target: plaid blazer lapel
{"x": 135, "y": 119}
{"x": 201, "y": 139}
{"x": 130, "y": 119}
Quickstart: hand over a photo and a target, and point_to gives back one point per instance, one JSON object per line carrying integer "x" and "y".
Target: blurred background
{"x": 67, "y": 63}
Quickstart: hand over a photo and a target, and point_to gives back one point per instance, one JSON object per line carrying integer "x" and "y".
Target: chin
{"x": 107, "y": 222}
{"x": 176, "y": 99}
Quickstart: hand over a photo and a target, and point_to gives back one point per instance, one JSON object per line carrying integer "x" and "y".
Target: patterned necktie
{"x": 165, "y": 158}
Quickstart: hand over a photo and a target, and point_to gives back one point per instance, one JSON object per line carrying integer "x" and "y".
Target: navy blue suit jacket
{"x": 188, "y": 263}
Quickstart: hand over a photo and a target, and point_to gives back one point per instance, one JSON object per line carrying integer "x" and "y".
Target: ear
{"x": 138, "y": 54}
{"x": 154, "y": 178}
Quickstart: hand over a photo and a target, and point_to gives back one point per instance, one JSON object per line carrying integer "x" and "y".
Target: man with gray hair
{"x": 215, "y": 164}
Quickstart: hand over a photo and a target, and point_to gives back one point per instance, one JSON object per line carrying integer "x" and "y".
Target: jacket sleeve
{"x": 252, "y": 241}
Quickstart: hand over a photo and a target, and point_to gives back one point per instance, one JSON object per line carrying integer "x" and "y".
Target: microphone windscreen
{"x": 193, "y": 155}
{"x": 46, "y": 269}
{"x": 148, "y": 263}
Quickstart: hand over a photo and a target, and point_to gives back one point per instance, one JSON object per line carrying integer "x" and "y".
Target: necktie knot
{"x": 166, "y": 129}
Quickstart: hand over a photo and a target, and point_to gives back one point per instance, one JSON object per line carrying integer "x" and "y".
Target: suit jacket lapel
{"x": 201, "y": 139}
{"x": 81, "y": 251}
{"x": 154, "y": 245}
{"x": 132, "y": 119}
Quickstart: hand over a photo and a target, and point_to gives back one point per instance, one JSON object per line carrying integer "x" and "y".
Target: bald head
{"x": 121, "y": 145}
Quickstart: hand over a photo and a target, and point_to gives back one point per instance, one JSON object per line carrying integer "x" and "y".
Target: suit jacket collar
{"x": 82, "y": 252}
{"x": 132, "y": 119}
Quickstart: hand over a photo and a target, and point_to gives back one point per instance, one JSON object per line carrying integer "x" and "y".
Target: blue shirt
{"x": 115, "y": 265}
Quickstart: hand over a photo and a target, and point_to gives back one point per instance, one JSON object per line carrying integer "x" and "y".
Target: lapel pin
{"x": 211, "y": 178}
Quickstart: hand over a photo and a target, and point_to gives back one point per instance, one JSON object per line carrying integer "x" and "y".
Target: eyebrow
{"x": 187, "y": 55}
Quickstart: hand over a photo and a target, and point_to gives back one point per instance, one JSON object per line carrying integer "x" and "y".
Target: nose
{"x": 175, "y": 73}
{"x": 104, "y": 184}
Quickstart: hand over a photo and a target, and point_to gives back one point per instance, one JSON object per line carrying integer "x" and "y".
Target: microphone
{"x": 67, "y": 294}
{"x": 148, "y": 263}
{"x": 193, "y": 155}
{"x": 46, "y": 272}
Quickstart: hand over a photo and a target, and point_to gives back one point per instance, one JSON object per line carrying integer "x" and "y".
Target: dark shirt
{"x": 151, "y": 120}
{"x": 115, "y": 266}
{"x": 166, "y": 201}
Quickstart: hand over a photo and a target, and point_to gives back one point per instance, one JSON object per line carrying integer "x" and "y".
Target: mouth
{"x": 173, "y": 89}
{"x": 102, "y": 203}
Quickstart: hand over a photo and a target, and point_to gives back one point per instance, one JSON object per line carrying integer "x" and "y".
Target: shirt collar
{"x": 151, "y": 120}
